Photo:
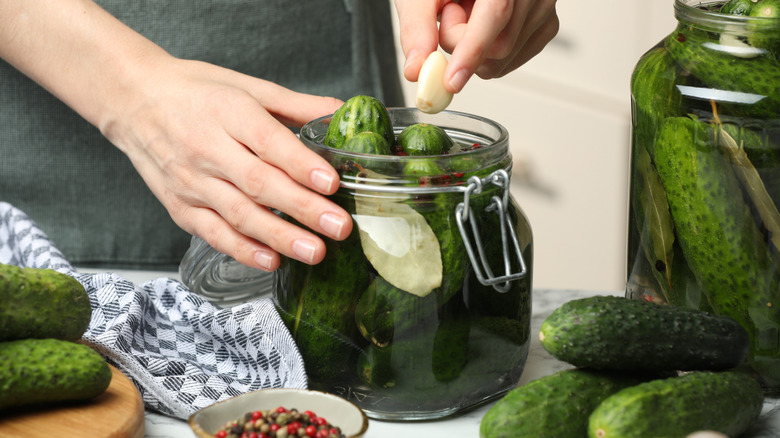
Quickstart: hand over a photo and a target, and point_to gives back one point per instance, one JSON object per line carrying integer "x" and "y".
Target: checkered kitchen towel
{"x": 181, "y": 352}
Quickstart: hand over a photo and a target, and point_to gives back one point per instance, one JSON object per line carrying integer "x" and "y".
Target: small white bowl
{"x": 336, "y": 410}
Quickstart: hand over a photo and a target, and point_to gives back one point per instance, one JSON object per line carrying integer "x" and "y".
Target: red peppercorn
{"x": 319, "y": 421}
{"x": 293, "y": 427}
{"x": 253, "y": 435}
{"x": 281, "y": 409}
{"x": 220, "y": 434}
{"x": 311, "y": 430}
{"x": 256, "y": 415}
{"x": 322, "y": 433}
{"x": 334, "y": 431}
{"x": 311, "y": 415}
{"x": 275, "y": 427}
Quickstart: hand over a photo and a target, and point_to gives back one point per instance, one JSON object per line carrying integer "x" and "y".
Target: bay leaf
{"x": 753, "y": 184}
{"x": 398, "y": 241}
{"x": 657, "y": 227}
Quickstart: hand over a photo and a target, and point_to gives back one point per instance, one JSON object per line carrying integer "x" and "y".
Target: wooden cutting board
{"x": 117, "y": 413}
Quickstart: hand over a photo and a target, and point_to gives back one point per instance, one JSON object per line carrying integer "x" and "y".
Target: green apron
{"x": 85, "y": 194}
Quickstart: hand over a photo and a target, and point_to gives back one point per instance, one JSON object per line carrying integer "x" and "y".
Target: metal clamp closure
{"x": 464, "y": 214}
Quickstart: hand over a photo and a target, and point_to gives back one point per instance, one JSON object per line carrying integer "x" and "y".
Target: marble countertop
{"x": 465, "y": 425}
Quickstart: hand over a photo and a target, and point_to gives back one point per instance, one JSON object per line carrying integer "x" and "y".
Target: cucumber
{"x": 724, "y": 248}
{"x": 765, "y": 33}
{"x": 557, "y": 405}
{"x": 42, "y": 371}
{"x": 359, "y": 113}
{"x": 367, "y": 142}
{"x": 694, "y": 52}
{"x": 424, "y": 139}
{"x": 737, "y": 7}
{"x": 42, "y": 303}
{"x": 727, "y": 402}
{"x": 654, "y": 95}
{"x": 319, "y": 312}
{"x": 616, "y": 333}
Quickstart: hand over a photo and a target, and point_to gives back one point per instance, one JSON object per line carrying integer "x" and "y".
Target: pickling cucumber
{"x": 367, "y": 142}
{"x": 557, "y": 405}
{"x": 724, "y": 248}
{"x": 765, "y": 34}
{"x": 757, "y": 77}
{"x": 319, "y": 307}
{"x": 42, "y": 303}
{"x": 359, "y": 113}
{"x": 42, "y": 371}
{"x": 737, "y": 7}
{"x": 424, "y": 139}
{"x": 616, "y": 333}
{"x": 654, "y": 95}
{"x": 727, "y": 402}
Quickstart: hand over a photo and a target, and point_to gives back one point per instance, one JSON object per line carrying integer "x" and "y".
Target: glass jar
{"x": 704, "y": 227}
{"x": 424, "y": 310}
{"x": 219, "y": 278}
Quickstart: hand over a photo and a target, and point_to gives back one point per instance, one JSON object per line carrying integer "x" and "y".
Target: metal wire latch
{"x": 464, "y": 214}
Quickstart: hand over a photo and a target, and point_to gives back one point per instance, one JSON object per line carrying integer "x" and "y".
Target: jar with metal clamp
{"x": 425, "y": 309}
{"x": 704, "y": 226}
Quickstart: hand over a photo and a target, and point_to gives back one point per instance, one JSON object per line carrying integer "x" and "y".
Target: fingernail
{"x": 304, "y": 249}
{"x": 333, "y": 224}
{"x": 264, "y": 259}
{"x": 459, "y": 79}
{"x": 411, "y": 57}
{"x": 322, "y": 180}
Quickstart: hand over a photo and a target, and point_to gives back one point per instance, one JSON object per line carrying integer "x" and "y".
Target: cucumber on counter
{"x": 42, "y": 303}
{"x": 616, "y": 333}
{"x": 557, "y": 405}
{"x": 727, "y": 402}
{"x": 40, "y": 371}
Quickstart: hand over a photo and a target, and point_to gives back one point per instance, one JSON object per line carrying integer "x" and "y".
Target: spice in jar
{"x": 279, "y": 423}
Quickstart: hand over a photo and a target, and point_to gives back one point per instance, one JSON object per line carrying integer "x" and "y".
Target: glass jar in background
{"x": 424, "y": 333}
{"x": 219, "y": 278}
{"x": 704, "y": 227}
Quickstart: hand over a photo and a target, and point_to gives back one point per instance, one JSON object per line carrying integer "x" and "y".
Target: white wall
{"x": 568, "y": 116}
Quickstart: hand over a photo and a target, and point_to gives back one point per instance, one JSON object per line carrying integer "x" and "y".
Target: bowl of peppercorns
{"x": 280, "y": 413}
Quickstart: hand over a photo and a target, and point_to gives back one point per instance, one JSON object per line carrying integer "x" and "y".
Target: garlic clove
{"x": 432, "y": 97}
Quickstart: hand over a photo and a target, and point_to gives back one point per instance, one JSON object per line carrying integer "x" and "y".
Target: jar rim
{"x": 310, "y": 133}
{"x": 690, "y": 11}
{"x": 492, "y": 151}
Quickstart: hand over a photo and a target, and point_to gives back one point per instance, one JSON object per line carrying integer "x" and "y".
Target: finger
{"x": 486, "y": 21}
{"x": 259, "y": 223}
{"x": 274, "y": 144}
{"x": 418, "y": 29}
{"x": 292, "y": 108}
{"x": 531, "y": 47}
{"x": 266, "y": 185}
{"x": 211, "y": 227}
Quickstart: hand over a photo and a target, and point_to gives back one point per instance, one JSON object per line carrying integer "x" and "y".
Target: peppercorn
{"x": 279, "y": 423}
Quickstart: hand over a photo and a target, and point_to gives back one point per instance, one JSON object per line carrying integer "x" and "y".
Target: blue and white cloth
{"x": 182, "y": 352}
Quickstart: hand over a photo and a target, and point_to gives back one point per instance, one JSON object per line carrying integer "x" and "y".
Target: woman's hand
{"x": 212, "y": 145}
{"x": 489, "y": 38}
